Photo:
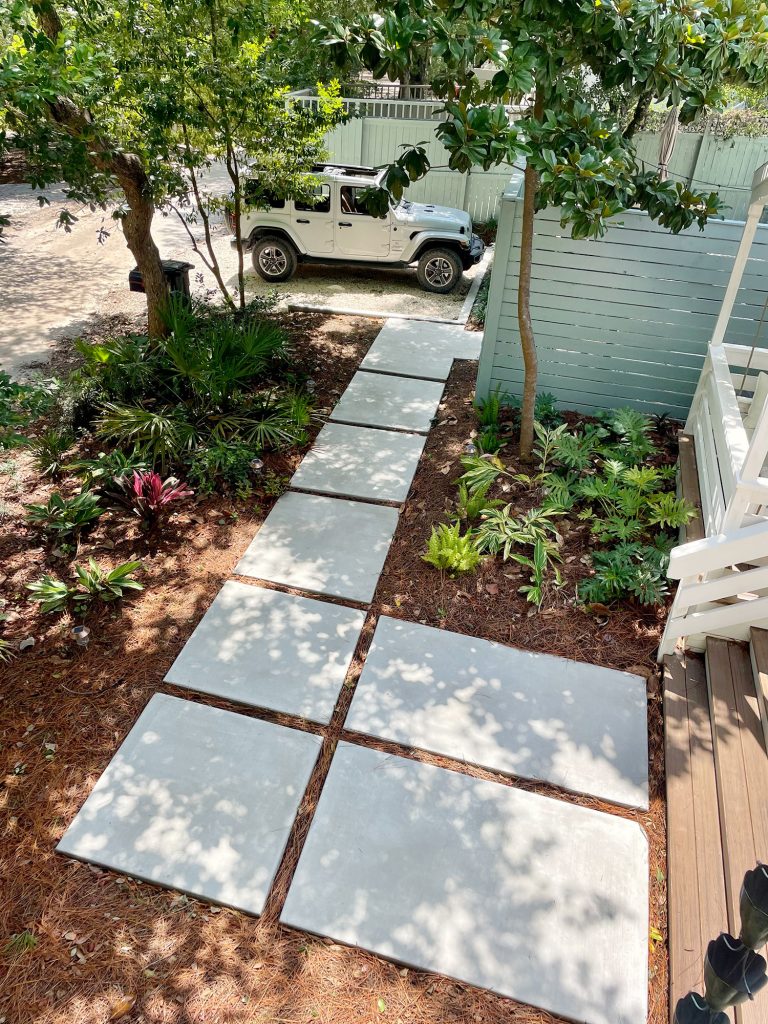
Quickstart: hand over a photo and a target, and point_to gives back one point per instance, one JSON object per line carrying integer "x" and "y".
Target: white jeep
{"x": 336, "y": 228}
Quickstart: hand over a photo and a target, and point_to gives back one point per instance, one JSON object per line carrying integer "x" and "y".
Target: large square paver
{"x": 197, "y": 799}
{"x": 415, "y": 348}
{"x": 270, "y": 650}
{"x": 397, "y": 403}
{"x": 531, "y": 897}
{"x": 565, "y": 722}
{"x": 361, "y": 463}
{"x": 324, "y": 545}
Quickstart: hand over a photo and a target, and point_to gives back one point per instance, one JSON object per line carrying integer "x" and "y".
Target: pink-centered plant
{"x": 148, "y": 495}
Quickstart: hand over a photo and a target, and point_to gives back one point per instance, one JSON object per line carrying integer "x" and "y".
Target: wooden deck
{"x": 717, "y": 799}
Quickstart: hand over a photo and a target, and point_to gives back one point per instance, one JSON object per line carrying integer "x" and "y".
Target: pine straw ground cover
{"x": 107, "y": 947}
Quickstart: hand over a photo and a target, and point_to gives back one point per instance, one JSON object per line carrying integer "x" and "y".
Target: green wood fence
{"x": 620, "y": 321}
{"x": 701, "y": 159}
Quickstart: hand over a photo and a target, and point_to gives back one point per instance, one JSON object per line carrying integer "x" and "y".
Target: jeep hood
{"x": 429, "y": 217}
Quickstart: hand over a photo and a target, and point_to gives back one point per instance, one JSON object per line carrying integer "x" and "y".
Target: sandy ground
{"x": 51, "y": 281}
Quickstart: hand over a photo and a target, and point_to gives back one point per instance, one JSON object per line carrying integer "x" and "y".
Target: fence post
{"x": 502, "y": 255}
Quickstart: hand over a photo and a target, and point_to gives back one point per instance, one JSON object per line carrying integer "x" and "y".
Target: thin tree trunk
{"x": 643, "y": 105}
{"x": 527, "y": 338}
{"x": 132, "y": 178}
{"x": 137, "y": 228}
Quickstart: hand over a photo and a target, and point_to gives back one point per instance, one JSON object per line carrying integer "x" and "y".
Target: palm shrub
{"x": 48, "y": 450}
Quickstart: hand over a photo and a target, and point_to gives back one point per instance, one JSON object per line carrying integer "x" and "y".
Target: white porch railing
{"x": 723, "y": 589}
{"x": 421, "y": 106}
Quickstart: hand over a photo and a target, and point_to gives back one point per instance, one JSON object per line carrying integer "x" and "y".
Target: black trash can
{"x": 176, "y": 277}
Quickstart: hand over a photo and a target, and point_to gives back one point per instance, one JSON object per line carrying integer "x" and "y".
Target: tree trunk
{"x": 643, "y": 105}
{"x": 527, "y": 338}
{"x": 131, "y": 176}
{"x": 137, "y": 228}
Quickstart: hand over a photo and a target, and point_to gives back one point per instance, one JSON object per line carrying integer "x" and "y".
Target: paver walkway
{"x": 523, "y": 893}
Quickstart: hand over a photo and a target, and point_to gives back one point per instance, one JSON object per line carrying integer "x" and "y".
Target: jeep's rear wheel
{"x": 439, "y": 270}
{"x": 274, "y": 258}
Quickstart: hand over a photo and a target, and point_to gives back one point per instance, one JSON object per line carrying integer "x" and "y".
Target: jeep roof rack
{"x": 346, "y": 169}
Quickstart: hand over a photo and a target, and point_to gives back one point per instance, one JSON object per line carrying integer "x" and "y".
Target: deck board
{"x": 684, "y": 911}
{"x": 717, "y": 803}
{"x": 742, "y": 782}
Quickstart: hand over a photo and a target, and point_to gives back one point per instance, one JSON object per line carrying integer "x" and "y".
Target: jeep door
{"x": 358, "y": 234}
{"x": 313, "y": 223}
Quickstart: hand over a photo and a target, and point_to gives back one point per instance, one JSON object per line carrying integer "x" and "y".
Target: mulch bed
{"x": 109, "y": 946}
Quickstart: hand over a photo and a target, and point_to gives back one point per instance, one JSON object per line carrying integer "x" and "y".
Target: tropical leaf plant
{"x": 147, "y": 495}
{"x": 66, "y": 516}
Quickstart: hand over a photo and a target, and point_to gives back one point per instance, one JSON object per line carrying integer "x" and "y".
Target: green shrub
{"x": 628, "y": 570}
{"x": 65, "y": 516}
{"x": 107, "y": 466}
{"x": 210, "y": 382}
{"x": 450, "y": 551}
{"x": 222, "y": 463}
{"x": 472, "y": 503}
{"x": 92, "y": 584}
{"x": 500, "y": 531}
{"x": 48, "y": 450}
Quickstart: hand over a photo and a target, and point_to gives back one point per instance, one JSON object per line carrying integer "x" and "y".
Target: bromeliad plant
{"x": 92, "y": 584}
{"x": 147, "y": 495}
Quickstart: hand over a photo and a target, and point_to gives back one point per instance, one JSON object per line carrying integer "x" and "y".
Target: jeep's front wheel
{"x": 274, "y": 259}
{"x": 439, "y": 270}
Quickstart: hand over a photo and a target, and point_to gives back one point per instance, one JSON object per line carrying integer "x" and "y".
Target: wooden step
{"x": 741, "y": 768}
{"x": 695, "y": 875}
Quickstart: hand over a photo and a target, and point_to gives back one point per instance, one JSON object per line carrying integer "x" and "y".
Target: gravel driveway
{"x": 51, "y": 282}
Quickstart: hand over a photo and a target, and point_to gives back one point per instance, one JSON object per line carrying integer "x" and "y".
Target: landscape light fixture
{"x": 81, "y": 635}
{"x": 256, "y": 466}
{"x": 733, "y": 970}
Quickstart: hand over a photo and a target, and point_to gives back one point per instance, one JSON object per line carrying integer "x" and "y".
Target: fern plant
{"x": 451, "y": 551}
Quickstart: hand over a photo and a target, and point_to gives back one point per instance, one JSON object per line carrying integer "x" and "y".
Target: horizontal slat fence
{"x": 701, "y": 159}
{"x": 624, "y": 320}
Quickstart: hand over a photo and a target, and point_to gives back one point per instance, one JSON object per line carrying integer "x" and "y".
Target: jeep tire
{"x": 439, "y": 270}
{"x": 274, "y": 258}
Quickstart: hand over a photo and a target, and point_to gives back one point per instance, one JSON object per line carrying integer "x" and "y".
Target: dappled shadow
{"x": 574, "y": 725}
{"x": 376, "y": 399}
{"x": 322, "y": 545}
{"x": 420, "y": 349}
{"x": 360, "y": 462}
{"x": 268, "y": 649}
{"x": 527, "y": 896}
{"x": 198, "y": 799}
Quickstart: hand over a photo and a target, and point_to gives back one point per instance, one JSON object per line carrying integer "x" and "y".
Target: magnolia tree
{"x": 578, "y": 153}
{"x": 126, "y": 103}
